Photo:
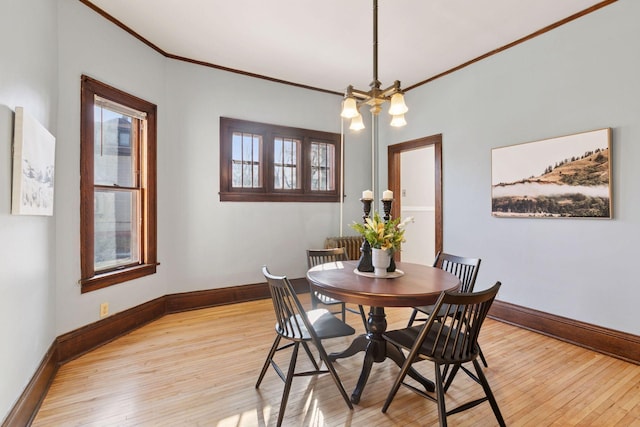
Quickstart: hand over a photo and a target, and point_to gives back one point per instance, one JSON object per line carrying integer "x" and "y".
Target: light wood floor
{"x": 199, "y": 368}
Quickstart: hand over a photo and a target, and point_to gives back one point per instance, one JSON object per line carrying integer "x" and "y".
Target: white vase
{"x": 380, "y": 258}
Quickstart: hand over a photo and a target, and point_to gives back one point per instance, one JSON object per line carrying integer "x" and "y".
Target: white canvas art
{"x": 33, "y": 166}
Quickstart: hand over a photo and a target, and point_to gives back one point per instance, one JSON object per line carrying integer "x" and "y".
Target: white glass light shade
{"x": 398, "y": 120}
{"x": 349, "y": 108}
{"x": 397, "y": 105}
{"x": 357, "y": 123}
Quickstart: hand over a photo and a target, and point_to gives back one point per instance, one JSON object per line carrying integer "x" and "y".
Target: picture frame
{"x": 562, "y": 177}
{"x": 33, "y": 166}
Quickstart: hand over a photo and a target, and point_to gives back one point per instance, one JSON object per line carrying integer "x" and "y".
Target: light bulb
{"x": 349, "y": 108}
{"x": 357, "y": 123}
{"x": 397, "y": 105}
{"x": 398, "y": 120}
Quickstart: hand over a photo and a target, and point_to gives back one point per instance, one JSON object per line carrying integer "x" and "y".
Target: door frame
{"x": 393, "y": 159}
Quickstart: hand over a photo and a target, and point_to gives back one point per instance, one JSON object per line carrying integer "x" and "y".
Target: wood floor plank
{"x": 199, "y": 368}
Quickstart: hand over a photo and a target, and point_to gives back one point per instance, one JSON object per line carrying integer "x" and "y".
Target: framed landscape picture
{"x": 563, "y": 177}
{"x": 34, "y": 151}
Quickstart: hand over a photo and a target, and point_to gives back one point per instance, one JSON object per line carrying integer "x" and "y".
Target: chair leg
{"x": 267, "y": 362}
{"x": 287, "y": 384}
{"x": 412, "y": 318}
{"x": 442, "y": 409}
{"x": 489, "y": 393}
{"x": 484, "y": 361}
{"x": 449, "y": 379}
{"x": 398, "y": 382}
{"x": 445, "y": 371}
{"x": 325, "y": 358}
{"x": 343, "y": 310}
{"x": 313, "y": 359}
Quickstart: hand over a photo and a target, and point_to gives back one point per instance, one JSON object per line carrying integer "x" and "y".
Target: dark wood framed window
{"x": 262, "y": 162}
{"x": 117, "y": 186}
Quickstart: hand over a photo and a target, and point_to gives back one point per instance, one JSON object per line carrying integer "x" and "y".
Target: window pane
{"x": 285, "y": 163}
{"x": 322, "y": 166}
{"x": 114, "y": 163}
{"x": 245, "y": 159}
{"x": 257, "y": 148}
{"x": 115, "y": 228}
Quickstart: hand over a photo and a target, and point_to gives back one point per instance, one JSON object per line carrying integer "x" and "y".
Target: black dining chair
{"x": 448, "y": 340}
{"x": 466, "y": 269}
{"x": 299, "y": 327}
{"x": 323, "y": 256}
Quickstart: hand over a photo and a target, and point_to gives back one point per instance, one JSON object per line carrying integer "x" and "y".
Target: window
{"x": 117, "y": 186}
{"x": 285, "y": 163}
{"x": 246, "y": 160}
{"x": 263, "y": 162}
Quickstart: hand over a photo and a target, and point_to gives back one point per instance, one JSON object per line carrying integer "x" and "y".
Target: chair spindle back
{"x": 455, "y": 336}
{"x": 466, "y": 269}
{"x": 322, "y": 256}
{"x": 287, "y": 306}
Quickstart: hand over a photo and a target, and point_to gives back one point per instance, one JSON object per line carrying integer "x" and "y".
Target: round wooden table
{"x": 419, "y": 285}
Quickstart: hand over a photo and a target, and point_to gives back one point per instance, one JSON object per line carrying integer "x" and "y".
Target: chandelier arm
{"x": 380, "y": 93}
{"x": 391, "y": 90}
{"x": 361, "y": 94}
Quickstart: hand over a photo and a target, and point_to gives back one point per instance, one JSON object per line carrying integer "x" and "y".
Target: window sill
{"x": 277, "y": 197}
{"x": 103, "y": 280}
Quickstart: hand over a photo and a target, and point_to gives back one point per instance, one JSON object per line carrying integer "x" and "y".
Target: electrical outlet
{"x": 104, "y": 309}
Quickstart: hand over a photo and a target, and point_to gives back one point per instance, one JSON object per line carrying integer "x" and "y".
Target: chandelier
{"x": 376, "y": 96}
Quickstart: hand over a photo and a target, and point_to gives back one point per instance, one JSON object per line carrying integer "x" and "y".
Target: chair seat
{"x": 406, "y": 338}
{"x": 325, "y": 324}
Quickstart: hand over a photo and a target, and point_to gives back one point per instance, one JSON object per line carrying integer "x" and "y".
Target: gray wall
{"x": 579, "y": 77}
{"x": 89, "y": 44}
{"x": 222, "y": 244}
{"x": 28, "y": 78}
{"x": 202, "y": 243}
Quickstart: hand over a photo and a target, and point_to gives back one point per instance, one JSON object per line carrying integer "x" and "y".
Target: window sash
{"x": 286, "y": 163}
{"x": 246, "y": 155}
{"x": 117, "y": 220}
{"x": 322, "y": 166}
{"x": 101, "y": 102}
{"x": 116, "y": 148}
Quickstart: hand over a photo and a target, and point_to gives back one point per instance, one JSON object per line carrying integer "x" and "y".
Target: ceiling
{"x": 328, "y": 44}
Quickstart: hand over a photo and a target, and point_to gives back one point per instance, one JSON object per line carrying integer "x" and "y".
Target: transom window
{"x": 118, "y": 212}
{"x": 263, "y": 162}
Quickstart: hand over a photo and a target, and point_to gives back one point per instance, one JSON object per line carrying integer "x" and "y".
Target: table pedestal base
{"x": 377, "y": 350}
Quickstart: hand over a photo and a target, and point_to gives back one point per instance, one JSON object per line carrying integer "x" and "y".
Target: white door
{"x": 417, "y": 191}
